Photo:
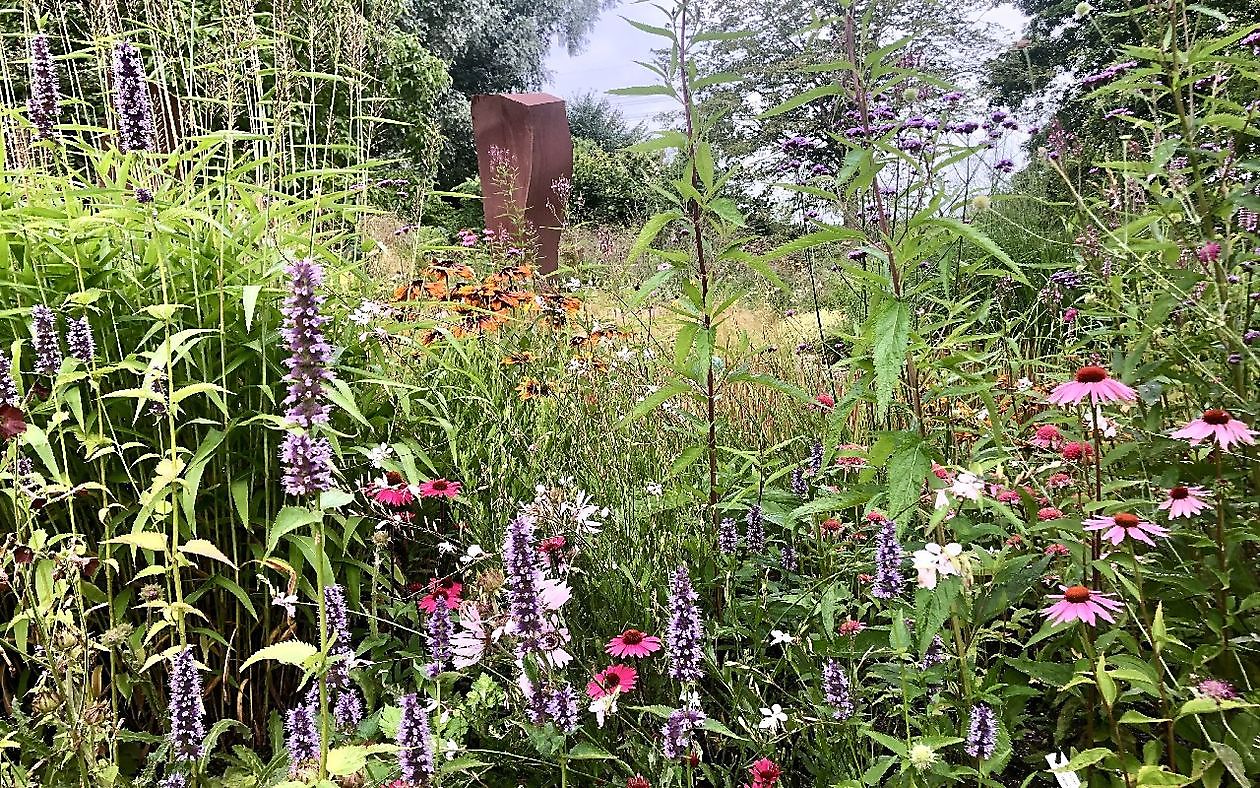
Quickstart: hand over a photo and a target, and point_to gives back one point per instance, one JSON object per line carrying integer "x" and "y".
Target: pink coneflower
{"x": 875, "y": 517}
{"x": 1070, "y": 314}
{"x": 1047, "y": 437}
{"x": 1059, "y": 481}
{"x": 446, "y": 590}
{"x": 765, "y": 774}
{"x": 1185, "y": 501}
{"x": 1124, "y": 524}
{"x": 1076, "y": 451}
{"x": 396, "y": 496}
{"x": 1056, "y": 549}
{"x": 551, "y": 545}
{"x": 612, "y": 679}
{"x": 825, "y": 401}
{"x": 1078, "y": 603}
{"x": 1094, "y": 383}
{"x": 850, "y": 627}
{"x": 1004, "y": 494}
{"x": 440, "y": 488}
{"x": 1218, "y": 425}
{"x": 1049, "y": 513}
{"x": 633, "y": 643}
{"x": 831, "y": 527}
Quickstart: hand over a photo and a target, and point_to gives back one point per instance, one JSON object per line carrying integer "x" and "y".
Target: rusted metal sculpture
{"x": 525, "y": 136}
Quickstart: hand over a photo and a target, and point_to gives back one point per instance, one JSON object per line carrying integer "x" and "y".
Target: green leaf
{"x": 1087, "y": 758}
{"x": 656, "y": 398}
{"x": 290, "y": 652}
{"x": 289, "y": 519}
{"x": 651, "y": 228}
{"x": 891, "y": 325}
{"x": 1233, "y": 762}
{"x": 249, "y": 300}
{"x": 908, "y": 466}
{"x": 896, "y": 745}
{"x": 1138, "y": 718}
{"x": 585, "y": 751}
{"x": 970, "y": 233}
{"x": 1208, "y": 705}
{"x": 206, "y": 549}
{"x": 145, "y": 540}
{"x": 347, "y": 760}
{"x": 813, "y": 94}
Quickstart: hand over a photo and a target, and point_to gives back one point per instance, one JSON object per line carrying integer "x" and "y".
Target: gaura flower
{"x": 934, "y": 560}
{"x": 633, "y": 643}
{"x": 440, "y": 488}
{"x": 603, "y": 706}
{"x": 1183, "y": 501}
{"x": 1094, "y": 383}
{"x": 612, "y": 680}
{"x": 772, "y": 718}
{"x": 968, "y": 486}
{"x": 780, "y": 638}
{"x": 1218, "y": 425}
{"x": 1124, "y": 524}
{"x": 1078, "y": 603}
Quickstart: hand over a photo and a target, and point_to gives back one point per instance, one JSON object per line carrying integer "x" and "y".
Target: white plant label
{"x": 1066, "y": 779}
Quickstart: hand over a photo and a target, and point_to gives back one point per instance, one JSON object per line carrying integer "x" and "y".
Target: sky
{"x": 607, "y": 62}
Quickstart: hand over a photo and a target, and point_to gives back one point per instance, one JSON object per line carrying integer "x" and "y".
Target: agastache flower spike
{"x": 440, "y": 631}
{"x": 347, "y": 705}
{"x": 563, "y": 708}
{"x": 47, "y": 342}
{"x": 755, "y": 535}
{"x": 301, "y": 730}
{"x": 685, "y": 633}
{"x": 308, "y": 466}
{"x": 415, "y": 741}
{"x": 888, "y": 559}
{"x": 982, "y": 735}
{"x": 187, "y": 709}
{"x": 8, "y": 388}
{"x": 727, "y": 536}
{"x": 42, "y": 107}
{"x": 136, "y": 131}
{"x": 79, "y": 339}
{"x": 309, "y": 353}
{"x": 836, "y": 689}
{"x": 521, "y": 559}
{"x": 678, "y": 728}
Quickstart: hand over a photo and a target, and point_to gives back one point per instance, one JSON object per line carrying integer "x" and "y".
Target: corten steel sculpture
{"x": 532, "y": 130}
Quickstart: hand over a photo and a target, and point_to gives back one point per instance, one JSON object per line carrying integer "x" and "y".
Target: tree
{"x": 595, "y": 118}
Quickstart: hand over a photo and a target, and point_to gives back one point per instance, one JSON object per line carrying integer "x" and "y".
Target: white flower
{"x": 446, "y": 548}
{"x": 379, "y": 454}
{"x": 772, "y": 718}
{"x": 573, "y": 283}
{"x": 473, "y": 553}
{"x": 1023, "y": 384}
{"x": 1104, "y": 425}
{"x": 450, "y": 749}
{"x": 942, "y": 500}
{"x": 603, "y": 706}
{"x": 654, "y": 489}
{"x": 690, "y": 698}
{"x": 779, "y": 637}
{"x": 967, "y": 485}
{"x": 935, "y": 560}
{"x": 286, "y": 601}
{"x": 624, "y": 354}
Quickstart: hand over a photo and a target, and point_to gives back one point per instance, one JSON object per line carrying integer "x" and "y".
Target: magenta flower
{"x": 633, "y": 643}
{"x": 1078, "y": 603}
{"x": 1185, "y": 501}
{"x": 1216, "y": 690}
{"x": 440, "y": 488}
{"x": 1124, "y": 524}
{"x": 1094, "y": 383}
{"x": 1218, "y": 425}
{"x": 614, "y": 679}
{"x": 1047, "y": 437}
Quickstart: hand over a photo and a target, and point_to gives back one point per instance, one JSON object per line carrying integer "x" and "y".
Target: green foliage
{"x": 612, "y": 187}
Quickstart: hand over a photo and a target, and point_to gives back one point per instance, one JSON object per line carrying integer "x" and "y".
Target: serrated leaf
{"x": 891, "y": 328}
{"x": 145, "y": 540}
{"x": 290, "y": 652}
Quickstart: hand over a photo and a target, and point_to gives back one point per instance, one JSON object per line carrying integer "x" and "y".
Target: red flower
{"x": 447, "y": 590}
{"x": 825, "y": 400}
{"x": 1076, "y": 450}
{"x": 440, "y": 488}
{"x": 638, "y": 781}
{"x": 765, "y": 773}
{"x": 12, "y": 423}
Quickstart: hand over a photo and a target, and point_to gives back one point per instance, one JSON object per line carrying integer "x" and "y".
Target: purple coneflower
{"x": 888, "y": 559}
{"x": 308, "y": 466}
{"x": 1079, "y": 603}
{"x": 727, "y": 535}
{"x": 301, "y": 730}
{"x": 836, "y": 690}
{"x": 46, "y": 340}
{"x": 685, "y": 632}
{"x": 982, "y": 735}
{"x": 79, "y": 340}
{"x": 187, "y": 710}
{"x": 523, "y": 574}
{"x": 1093, "y": 383}
{"x": 1125, "y": 524}
{"x": 1215, "y": 424}
{"x": 309, "y": 352}
{"x": 1182, "y": 501}
{"x": 136, "y": 131}
{"x": 415, "y": 741}
{"x": 42, "y": 106}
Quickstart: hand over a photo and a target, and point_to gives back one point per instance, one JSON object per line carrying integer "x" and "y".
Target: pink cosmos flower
{"x": 633, "y": 643}
{"x": 1047, "y": 437}
{"x": 446, "y": 590}
{"x": 440, "y": 488}
{"x": 1078, "y": 603}
{"x": 612, "y": 679}
{"x": 1218, "y": 425}
{"x": 1124, "y": 524}
{"x": 1185, "y": 501}
{"x": 1094, "y": 383}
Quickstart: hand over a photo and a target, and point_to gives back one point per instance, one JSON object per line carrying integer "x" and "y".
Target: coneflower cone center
{"x": 1179, "y": 493}
{"x": 1216, "y": 416}
{"x": 1076, "y": 594}
{"x": 1126, "y": 520}
{"x": 1091, "y": 375}
{"x": 632, "y": 637}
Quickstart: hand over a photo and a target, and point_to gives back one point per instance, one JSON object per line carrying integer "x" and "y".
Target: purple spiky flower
{"x": 788, "y": 558}
{"x": 440, "y": 630}
{"x": 415, "y": 741}
{"x": 46, "y": 340}
{"x": 136, "y": 131}
{"x": 836, "y": 689}
{"x": 678, "y": 729}
{"x": 79, "y": 340}
{"x": 727, "y": 536}
{"x": 301, "y": 729}
{"x": 935, "y": 654}
{"x": 982, "y": 735}
{"x": 8, "y": 387}
{"x": 816, "y": 459}
{"x": 563, "y": 708}
{"x": 42, "y": 106}
{"x": 521, "y": 560}
{"x": 685, "y": 633}
{"x": 309, "y": 352}
{"x": 347, "y": 704}
{"x": 187, "y": 709}
{"x": 755, "y": 533}
{"x": 308, "y": 465}
{"x": 538, "y": 699}
{"x": 888, "y": 559}
{"x": 175, "y": 781}
{"x": 800, "y": 487}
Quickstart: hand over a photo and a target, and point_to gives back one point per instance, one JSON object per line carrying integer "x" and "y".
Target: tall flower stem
{"x": 323, "y": 648}
{"x": 1222, "y": 550}
{"x": 1096, "y": 542}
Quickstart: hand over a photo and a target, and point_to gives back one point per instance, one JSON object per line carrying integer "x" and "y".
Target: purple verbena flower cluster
{"x": 683, "y": 638}
{"x": 983, "y": 733}
{"x": 136, "y": 131}
{"x": 42, "y": 106}
{"x": 836, "y": 690}
{"x": 415, "y": 740}
{"x": 1110, "y": 72}
{"x": 187, "y": 709}
{"x": 888, "y": 559}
